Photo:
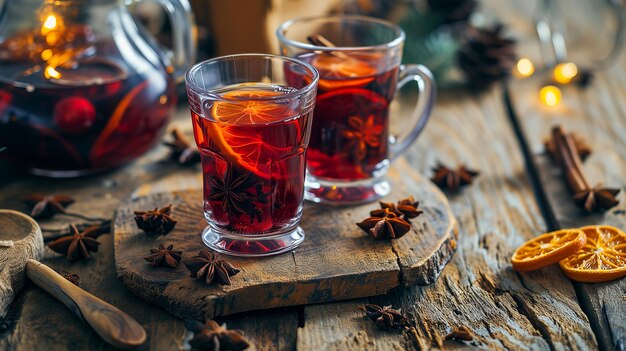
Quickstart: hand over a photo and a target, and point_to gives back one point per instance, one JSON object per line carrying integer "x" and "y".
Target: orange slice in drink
{"x": 601, "y": 259}
{"x": 238, "y": 132}
{"x": 547, "y": 249}
{"x": 343, "y": 72}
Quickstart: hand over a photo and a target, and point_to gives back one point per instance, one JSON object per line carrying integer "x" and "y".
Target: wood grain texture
{"x": 478, "y": 289}
{"x": 337, "y": 260}
{"x": 30, "y": 317}
{"x": 113, "y": 325}
{"x": 20, "y": 240}
{"x": 598, "y": 114}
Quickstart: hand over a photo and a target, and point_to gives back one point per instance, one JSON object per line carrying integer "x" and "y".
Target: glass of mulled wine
{"x": 358, "y": 59}
{"x": 252, "y": 116}
{"x": 82, "y": 89}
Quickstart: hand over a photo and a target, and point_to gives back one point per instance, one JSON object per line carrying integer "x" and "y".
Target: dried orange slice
{"x": 238, "y": 129}
{"x": 601, "y": 259}
{"x": 343, "y": 72}
{"x": 249, "y": 112}
{"x": 547, "y": 249}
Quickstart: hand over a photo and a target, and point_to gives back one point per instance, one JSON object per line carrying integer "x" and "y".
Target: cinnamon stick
{"x": 568, "y": 157}
{"x": 320, "y": 40}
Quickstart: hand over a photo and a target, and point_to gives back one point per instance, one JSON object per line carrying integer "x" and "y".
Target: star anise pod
{"x": 229, "y": 189}
{"x": 362, "y": 135}
{"x": 389, "y": 226}
{"x": 453, "y": 179}
{"x": 597, "y": 199}
{"x": 181, "y": 150}
{"x": 210, "y": 267}
{"x": 157, "y": 221}
{"x": 486, "y": 56}
{"x": 210, "y": 336}
{"x": 72, "y": 278}
{"x": 385, "y": 317}
{"x": 77, "y": 245}
{"x": 406, "y": 208}
{"x": 461, "y": 333}
{"x": 164, "y": 256}
{"x": 43, "y": 206}
{"x": 582, "y": 147}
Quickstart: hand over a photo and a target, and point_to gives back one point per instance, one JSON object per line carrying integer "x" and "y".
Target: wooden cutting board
{"x": 336, "y": 261}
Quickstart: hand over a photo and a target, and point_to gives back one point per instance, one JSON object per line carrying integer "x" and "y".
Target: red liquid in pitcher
{"x": 81, "y": 116}
{"x": 253, "y": 160}
{"x": 349, "y": 138}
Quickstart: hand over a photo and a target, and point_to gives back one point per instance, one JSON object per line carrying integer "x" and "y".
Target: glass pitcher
{"x": 83, "y": 89}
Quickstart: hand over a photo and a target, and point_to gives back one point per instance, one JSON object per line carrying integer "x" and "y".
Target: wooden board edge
{"x": 428, "y": 270}
{"x": 241, "y": 300}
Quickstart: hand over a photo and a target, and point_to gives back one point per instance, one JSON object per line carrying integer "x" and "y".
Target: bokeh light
{"x": 564, "y": 72}
{"x": 550, "y": 95}
{"x": 525, "y": 67}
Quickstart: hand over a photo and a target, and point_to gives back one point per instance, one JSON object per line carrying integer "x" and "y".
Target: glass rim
{"x": 281, "y": 30}
{"x": 190, "y": 82}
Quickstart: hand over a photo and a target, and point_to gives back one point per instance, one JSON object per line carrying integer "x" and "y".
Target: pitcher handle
{"x": 184, "y": 35}
{"x": 427, "y": 93}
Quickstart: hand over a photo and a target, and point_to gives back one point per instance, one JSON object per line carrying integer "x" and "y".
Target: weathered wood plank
{"x": 44, "y": 323}
{"x": 336, "y": 261}
{"x": 478, "y": 289}
{"x": 597, "y": 113}
{"x": 272, "y": 330}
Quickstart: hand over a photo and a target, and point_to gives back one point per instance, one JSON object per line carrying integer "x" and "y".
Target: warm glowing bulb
{"x": 525, "y": 67}
{"x": 550, "y": 95}
{"x": 564, "y": 72}
{"x": 51, "y": 72}
{"x": 46, "y": 54}
{"x": 50, "y": 22}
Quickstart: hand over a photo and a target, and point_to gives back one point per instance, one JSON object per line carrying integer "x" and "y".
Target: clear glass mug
{"x": 358, "y": 59}
{"x": 251, "y": 117}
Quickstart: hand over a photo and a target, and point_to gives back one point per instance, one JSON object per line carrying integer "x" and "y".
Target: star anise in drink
{"x": 210, "y": 267}
{"x": 362, "y": 135}
{"x": 157, "y": 221}
{"x": 77, "y": 245}
{"x": 211, "y": 336}
{"x": 385, "y": 317}
{"x": 181, "y": 150}
{"x": 164, "y": 256}
{"x": 388, "y": 226}
{"x": 43, "y": 206}
{"x": 405, "y": 208}
{"x": 230, "y": 190}
{"x": 453, "y": 179}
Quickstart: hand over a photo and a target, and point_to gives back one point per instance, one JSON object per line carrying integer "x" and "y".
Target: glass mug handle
{"x": 427, "y": 93}
{"x": 184, "y": 34}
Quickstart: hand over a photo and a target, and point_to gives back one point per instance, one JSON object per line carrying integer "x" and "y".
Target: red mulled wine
{"x": 349, "y": 138}
{"x": 253, "y": 161}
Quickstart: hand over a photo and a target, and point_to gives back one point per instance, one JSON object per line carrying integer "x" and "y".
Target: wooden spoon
{"x": 114, "y": 326}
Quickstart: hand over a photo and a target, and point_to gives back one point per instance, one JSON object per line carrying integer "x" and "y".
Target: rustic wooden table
{"x": 517, "y": 196}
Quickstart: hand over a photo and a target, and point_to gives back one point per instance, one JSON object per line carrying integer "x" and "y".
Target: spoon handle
{"x": 114, "y": 326}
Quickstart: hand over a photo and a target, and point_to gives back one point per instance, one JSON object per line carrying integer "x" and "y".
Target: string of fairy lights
{"x": 562, "y": 74}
